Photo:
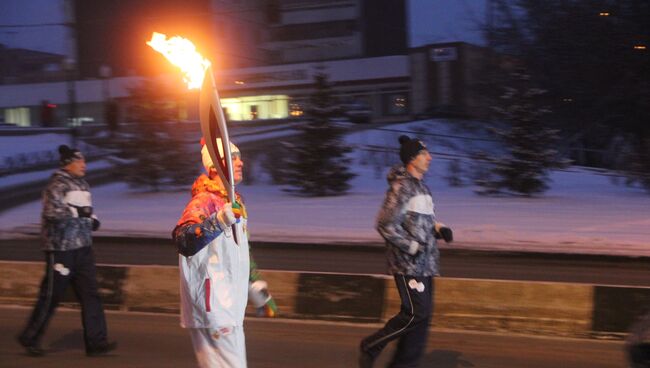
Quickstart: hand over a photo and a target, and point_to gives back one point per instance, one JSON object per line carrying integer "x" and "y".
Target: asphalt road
{"x": 151, "y": 340}
{"x": 367, "y": 259}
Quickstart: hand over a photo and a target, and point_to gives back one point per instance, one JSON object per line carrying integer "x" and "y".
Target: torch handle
{"x": 225, "y": 140}
{"x": 213, "y": 126}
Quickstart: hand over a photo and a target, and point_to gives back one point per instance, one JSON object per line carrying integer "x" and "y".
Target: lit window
{"x": 256, "y": 107}
{"x": 18, "y": 116}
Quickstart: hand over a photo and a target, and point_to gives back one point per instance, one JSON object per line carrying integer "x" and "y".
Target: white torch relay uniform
{"x": 214, "y": 274}
{"x": 214, "y": 293}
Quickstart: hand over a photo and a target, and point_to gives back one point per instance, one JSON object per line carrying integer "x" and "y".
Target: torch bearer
{"x": 197, "y": 73}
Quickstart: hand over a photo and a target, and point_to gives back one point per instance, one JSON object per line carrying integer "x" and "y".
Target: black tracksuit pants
{"x": 410, "y": 325}
{"x": 77, "y": 268}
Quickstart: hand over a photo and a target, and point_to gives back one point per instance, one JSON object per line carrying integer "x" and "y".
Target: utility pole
{"x": 70, "y": 65}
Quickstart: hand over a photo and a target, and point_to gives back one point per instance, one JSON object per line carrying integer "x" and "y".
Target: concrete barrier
{"x": 545, "y": 308}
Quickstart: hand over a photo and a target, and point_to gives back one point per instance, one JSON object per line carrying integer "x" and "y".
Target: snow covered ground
{"x": 583, "y": 212}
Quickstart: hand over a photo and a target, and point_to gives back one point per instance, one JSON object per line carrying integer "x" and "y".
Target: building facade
{"x": 379, "y": 84}
{"x": 319, "y": 30}
{"x": 265, "y": 54}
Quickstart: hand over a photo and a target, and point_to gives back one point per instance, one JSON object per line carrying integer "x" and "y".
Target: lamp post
{"x": 105, "y": 72}
{"x": 70, "y": 66}
{"x": 110, "y": 107}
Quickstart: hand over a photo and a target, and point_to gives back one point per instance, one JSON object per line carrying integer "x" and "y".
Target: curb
{"x": 540, "y": 308}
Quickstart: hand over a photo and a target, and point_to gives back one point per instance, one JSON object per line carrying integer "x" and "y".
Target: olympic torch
{"x": 197, "y": 73}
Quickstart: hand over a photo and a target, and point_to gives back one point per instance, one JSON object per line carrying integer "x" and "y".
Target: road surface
{"x": 156, "y": 340}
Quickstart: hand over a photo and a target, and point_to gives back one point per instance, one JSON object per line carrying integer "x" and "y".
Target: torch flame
{"x": 182, "y": 53}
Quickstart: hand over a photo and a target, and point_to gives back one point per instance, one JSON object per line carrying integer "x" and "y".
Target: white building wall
{"x": 287, "y": 75}
{"x": 323, "y": 48}
{"x": 17, "y": 95}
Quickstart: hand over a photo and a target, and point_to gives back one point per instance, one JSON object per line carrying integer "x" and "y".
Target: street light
{"x": 105, "y": 72}
{"x": 70, "y": 66}
{"x": 110, "y": 107}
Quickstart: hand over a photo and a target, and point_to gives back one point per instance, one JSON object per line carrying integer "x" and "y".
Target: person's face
{"x": 237, "y": 167}
{"x": 76, "y": 168}
{"x": 421, "y": 162}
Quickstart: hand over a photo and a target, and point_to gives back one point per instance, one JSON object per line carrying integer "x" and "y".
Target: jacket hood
{"x": 397, "y": 172}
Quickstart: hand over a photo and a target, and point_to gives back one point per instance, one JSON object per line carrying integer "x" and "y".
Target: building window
{"x": 256, "y": 107}
{"x": 18, "y": 116}
{"x": 311, "y": 31}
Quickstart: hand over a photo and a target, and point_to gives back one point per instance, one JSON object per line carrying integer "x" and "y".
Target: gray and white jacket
{"x": 407, "y": 222}
{"x": 61, "y": 227}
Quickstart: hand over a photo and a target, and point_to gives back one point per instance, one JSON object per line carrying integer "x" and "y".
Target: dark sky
{"x": 430, "y": 21}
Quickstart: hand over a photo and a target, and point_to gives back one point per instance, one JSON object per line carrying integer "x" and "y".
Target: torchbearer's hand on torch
{"x": 226, "y": 217}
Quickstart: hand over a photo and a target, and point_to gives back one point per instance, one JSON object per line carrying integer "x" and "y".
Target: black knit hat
{"x": 67, "y": 155}
{"x": 409, "y": 148}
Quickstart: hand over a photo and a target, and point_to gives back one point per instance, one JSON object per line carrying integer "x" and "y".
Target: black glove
{"x": 445, "y": 233}
{"x": 96, "y": 224}
{"x": 84, "y": 211}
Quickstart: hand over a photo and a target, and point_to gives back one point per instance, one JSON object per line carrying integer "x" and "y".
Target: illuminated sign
{"x": 443, "y": 54}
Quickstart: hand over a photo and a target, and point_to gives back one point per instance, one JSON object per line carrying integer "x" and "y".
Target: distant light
{"x": 604, "y": 14}
{"x": 51, "y": 106}
{"x": 567, "y": 99}
{"x": 239, "y": 82}
{"x": 640, "y": 47}
{"x": 295, "y": 110}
